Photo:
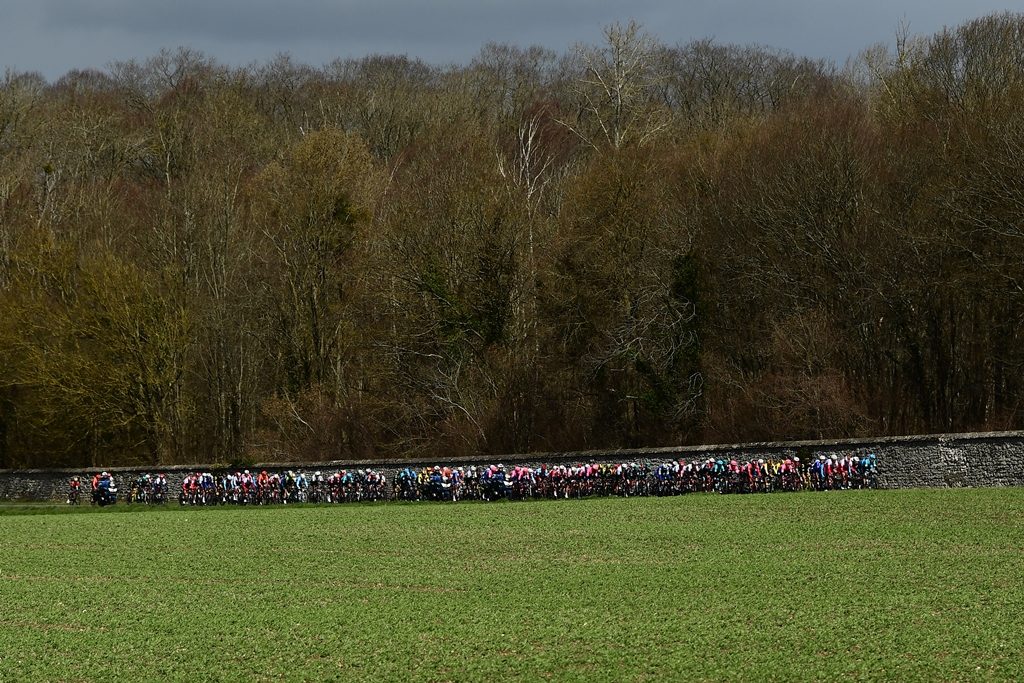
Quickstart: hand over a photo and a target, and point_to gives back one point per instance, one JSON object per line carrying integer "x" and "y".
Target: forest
{"x": 625, "y": 244}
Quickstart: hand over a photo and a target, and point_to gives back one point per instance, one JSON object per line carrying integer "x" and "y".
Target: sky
{"x": 54, "y": 36}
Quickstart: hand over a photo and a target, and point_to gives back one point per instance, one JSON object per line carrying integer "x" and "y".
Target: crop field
{"x": 899, "y": 585}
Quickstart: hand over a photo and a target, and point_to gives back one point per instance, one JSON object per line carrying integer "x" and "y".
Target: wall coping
{"x": 557, "y": 457}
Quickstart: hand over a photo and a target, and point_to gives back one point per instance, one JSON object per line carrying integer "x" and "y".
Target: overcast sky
{"x": 53, "y": 36}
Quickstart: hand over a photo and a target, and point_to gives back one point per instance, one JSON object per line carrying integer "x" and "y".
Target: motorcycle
{"x": 441, "y": 490}
{"x": 106, "y": 495}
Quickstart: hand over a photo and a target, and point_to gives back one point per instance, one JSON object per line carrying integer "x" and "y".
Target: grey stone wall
{"x": 984, "y": 459}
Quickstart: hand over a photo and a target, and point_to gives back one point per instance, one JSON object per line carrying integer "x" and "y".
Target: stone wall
{"x": 985, "y": 459}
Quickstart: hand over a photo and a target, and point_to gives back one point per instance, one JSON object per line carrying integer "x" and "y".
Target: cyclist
{"x": 317, "y": 486}
{"x": 718, "y": 469}
{"x": 869, "y": 466}
{"x": 208, "y": 487}
{"x": 104, "y": 488}
{"x": 231, "y": 484}
{"x": 818, "y": 473}
{"x": 407, "y": 483}
{"x": 74, "y": 489}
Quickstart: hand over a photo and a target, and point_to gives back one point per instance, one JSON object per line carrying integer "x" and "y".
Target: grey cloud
{"x": 324, "y": 20}
{"x": 56, "y": 35}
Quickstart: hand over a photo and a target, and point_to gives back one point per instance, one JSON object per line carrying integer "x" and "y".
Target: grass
{"x": 899, "y": 585}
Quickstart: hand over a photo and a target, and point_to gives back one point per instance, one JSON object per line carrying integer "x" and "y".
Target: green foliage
{"x": 96, "y": 355}
{"x": 911, "y": 585}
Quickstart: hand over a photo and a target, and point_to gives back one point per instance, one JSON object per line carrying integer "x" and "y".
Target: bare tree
{"x": 614, "y": 98}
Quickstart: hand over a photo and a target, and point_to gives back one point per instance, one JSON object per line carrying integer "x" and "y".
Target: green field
{"x": 898, "y": 585}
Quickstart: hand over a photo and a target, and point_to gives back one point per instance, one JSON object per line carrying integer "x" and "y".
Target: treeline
{"x": 628, "y": 244}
